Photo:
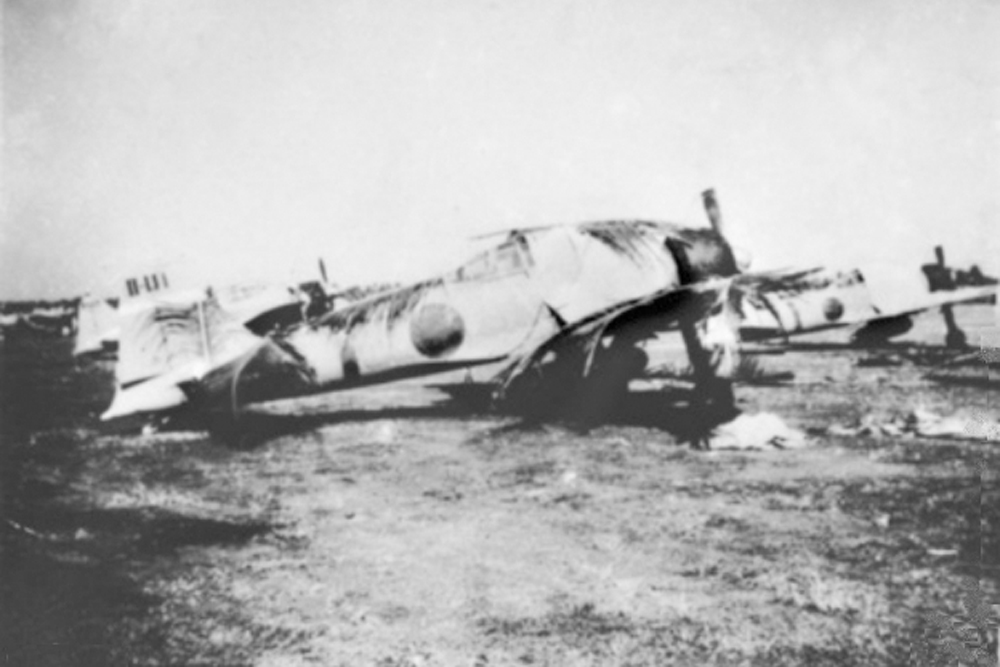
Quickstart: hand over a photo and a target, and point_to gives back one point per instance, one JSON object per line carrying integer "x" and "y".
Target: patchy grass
{"x": 391, "y": 527}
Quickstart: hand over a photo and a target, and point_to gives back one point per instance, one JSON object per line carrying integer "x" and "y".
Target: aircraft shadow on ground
{"x": 670, "y": 411}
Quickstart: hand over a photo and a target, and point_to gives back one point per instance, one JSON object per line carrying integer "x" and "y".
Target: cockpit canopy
{"x": 511, "y": 256}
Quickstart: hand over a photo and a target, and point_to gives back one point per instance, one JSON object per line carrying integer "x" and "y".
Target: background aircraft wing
{"x": 790, "y": 302}
{"x": 782, "y": 304}
{"x": 776, "y": 303}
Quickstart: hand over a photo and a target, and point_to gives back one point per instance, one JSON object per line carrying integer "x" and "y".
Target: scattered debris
{"x": 867, "y": 425}
{"x": 919, "y": 422}
{"x": 920, "y": 356}
{"x": 930, "y": 425}
{"x": 979, "y": 381}
{"x": 880, "y": 360}
{"x": 21, "y": 528}
{"x": 748, "y": 372}
{"x": 383, "y": 433}
{"x": 769, "y": 379}
{"x": 439, "y": 494}
{"x": 942, "y": 553}
{"x": 763, "y": 431}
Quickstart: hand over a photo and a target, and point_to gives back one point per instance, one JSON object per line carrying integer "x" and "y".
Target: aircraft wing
{"x": 569, "y": 355}
{"x": 776, "y": 303}
{"x": 949, "y": 298}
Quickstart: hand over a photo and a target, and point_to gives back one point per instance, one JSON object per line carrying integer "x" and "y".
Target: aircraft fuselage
{"x": 505, "y": 299}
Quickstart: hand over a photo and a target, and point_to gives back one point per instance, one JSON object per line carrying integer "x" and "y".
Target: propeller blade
{"x": 712, "y": 209}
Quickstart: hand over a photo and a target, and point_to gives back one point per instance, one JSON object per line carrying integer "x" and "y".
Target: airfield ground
{"x": 393, "y": 526}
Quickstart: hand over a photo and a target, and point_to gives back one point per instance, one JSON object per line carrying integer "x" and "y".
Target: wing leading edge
{"x": 577, "y": 354}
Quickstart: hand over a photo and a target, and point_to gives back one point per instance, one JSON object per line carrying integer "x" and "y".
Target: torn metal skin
{"x": 536, "y": 292}
{"x": 564, "y": 308}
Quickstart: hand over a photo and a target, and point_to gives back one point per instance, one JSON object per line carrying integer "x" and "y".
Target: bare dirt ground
{"x": 393, "y": 526}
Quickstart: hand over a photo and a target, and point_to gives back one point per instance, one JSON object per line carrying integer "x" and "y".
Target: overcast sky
{"x": 241, "y": 140}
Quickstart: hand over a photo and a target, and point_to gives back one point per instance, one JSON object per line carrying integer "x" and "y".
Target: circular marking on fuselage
{"x": 833, "y": 309}
{"x": 436, "y": 329}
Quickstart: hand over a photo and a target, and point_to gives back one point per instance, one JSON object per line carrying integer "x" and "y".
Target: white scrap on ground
{"x": 923, "y": 423}
{"x": 762, "y": 431}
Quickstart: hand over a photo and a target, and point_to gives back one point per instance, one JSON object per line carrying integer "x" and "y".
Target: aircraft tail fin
{"x": 166, "y": 344}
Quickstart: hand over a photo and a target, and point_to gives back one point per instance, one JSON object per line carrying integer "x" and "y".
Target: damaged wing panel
{"x": 569, "y": 354}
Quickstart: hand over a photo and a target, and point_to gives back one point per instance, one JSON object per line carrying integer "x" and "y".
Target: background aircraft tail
{"x": 96, "y": 325}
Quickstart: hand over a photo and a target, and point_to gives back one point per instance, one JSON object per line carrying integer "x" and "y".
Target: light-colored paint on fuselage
{"x": 504, "y": 300}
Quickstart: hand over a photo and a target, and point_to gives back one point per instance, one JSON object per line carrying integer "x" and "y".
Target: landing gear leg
{"x": 955, "y": 338}
{"x": 713, "y": 363}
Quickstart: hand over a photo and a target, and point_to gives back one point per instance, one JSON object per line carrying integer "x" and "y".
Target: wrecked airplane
{"x": 172, "y": 340}
{"x": 563, "y": 309}
{"x": 562, "y": 302}
{"x": 780, "y": 304}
